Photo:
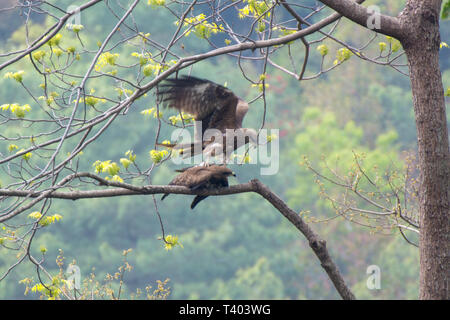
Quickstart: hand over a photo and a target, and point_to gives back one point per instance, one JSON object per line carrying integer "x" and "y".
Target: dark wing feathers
{"x": 185, "y": 94}
{"x": 197, "y": 199}
{"x": 193, "y": 177}
{"x": 200, "y": 177}
{"x": 210, "y": 103}
{"x": 224, "y": 117}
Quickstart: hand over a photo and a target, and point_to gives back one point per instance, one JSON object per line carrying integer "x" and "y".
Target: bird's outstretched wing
{"x": 212, "y": 104}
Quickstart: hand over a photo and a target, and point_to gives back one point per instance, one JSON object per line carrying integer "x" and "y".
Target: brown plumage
{"x": 202, "y": 178}
{"x": 213, "y": 106}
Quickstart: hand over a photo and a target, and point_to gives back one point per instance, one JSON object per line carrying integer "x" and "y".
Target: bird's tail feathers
{"x": 197, "y": 199}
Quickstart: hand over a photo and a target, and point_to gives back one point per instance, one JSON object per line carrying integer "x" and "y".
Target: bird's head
{"x": 227, "y": 172}
{"x": 222, "y": 170}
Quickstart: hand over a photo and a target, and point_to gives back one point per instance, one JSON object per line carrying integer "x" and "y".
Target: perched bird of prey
{"x": 213, "y": 107}
{"x": 202, "y": 178}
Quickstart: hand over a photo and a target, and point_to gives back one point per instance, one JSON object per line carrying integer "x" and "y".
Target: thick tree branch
{"x": 317, "y": 244}
{"x": 359, "y": 14}
{"x": 126, "y": 191}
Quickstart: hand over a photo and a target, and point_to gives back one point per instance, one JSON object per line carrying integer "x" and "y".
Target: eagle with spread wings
{"x": 213, "y": 107}
{"x": 202, "y": 178}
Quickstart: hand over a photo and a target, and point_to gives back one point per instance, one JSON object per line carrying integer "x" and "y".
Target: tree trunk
{"x": 420, "y": 19}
